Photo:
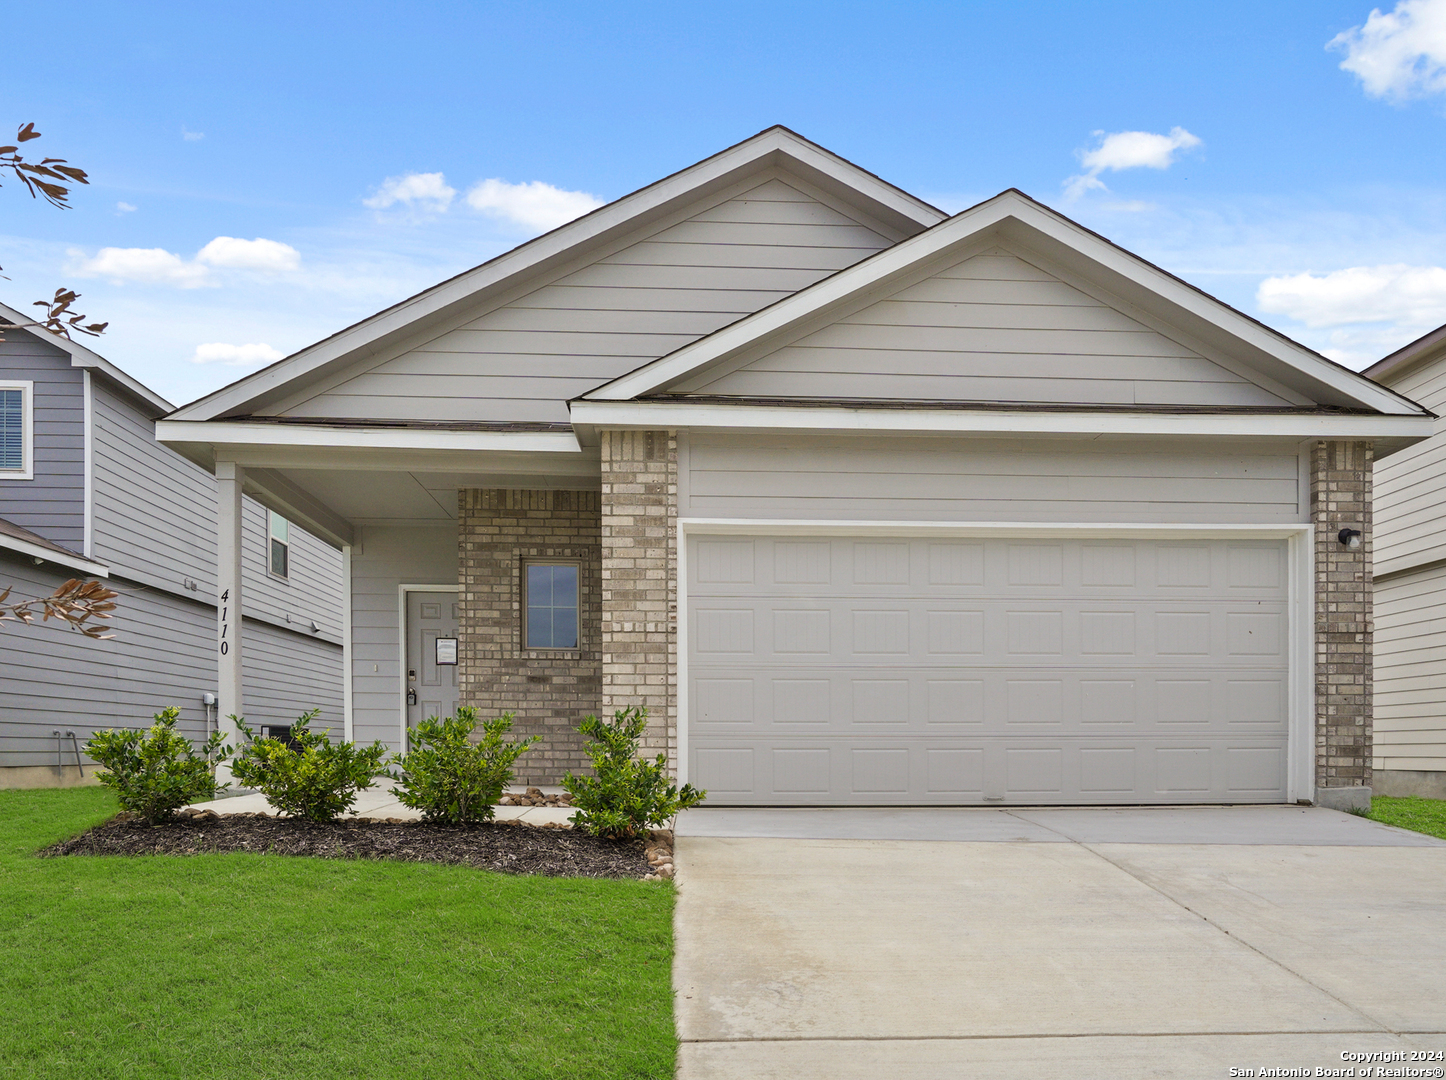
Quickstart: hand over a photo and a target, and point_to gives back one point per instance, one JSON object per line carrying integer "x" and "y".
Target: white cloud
{"x": 426, "y": 191}
{"x": 1127, "y": 150}
{"x": 1399, "y": 55}
{"x": 124, "y": 208}
{"x": 217, "y": 352}
{"x": 144, "y": 266}
{"x": 268, "y": 256}
{"x": 1396, "y": 293}
{"x": 156, "y": 266}
{"x": 192, "y": 136}
{"x": 535, "y": 205}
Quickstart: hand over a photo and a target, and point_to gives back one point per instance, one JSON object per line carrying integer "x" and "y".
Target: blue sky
{"x": 1310, "y": 196}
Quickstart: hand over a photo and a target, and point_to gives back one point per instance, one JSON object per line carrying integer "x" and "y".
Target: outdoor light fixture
{"x": 1350, "y": 539}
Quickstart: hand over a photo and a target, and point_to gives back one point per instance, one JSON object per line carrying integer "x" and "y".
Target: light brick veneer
{"x": 639, "y": 580}
{"x": 1340, "y": 498}
{"x": 548, "y": 691}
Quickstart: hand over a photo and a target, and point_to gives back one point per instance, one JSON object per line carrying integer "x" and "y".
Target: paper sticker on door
{"x": 446, "y": 651}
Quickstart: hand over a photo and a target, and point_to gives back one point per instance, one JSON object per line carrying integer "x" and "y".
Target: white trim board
{"x": 1300, "y": 723}
{"x": 590, "y": 416}
{"x": 403, "y": 632}
{"x": 45, "y": 555}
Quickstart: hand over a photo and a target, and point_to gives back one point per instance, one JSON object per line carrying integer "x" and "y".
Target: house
{"x": 1410, "y": 586}
{"x": 86, "y": 491}
{"x": 868, "y": 505}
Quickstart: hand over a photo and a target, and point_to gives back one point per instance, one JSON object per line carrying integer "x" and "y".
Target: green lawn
{"x": 267, "y": 967}
{"x": 1421, "y": 815}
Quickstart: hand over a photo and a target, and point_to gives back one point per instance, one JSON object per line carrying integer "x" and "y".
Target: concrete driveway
{"x": 1054, "y": 943}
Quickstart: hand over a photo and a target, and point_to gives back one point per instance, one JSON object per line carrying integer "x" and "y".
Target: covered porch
{"x": 442, "y": 529}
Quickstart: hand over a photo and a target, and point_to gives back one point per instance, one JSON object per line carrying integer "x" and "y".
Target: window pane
{"x": 278, "y": 558}
{"x": 12, "y": 429}
{"x": 280, "y": 527}
{"x": 551, "y": 606}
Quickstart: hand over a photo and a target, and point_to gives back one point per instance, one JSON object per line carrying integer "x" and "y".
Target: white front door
{"x": 432, "y": 648}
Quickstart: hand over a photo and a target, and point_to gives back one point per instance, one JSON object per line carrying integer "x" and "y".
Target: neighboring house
{"x": 1410, "y": 586}
{"x": 86, "y": 491}
{"x": 865, "y": 503}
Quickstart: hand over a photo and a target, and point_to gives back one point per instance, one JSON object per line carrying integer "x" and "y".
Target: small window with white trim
{"x": 550, "y": 605}
{"x": 278, "y": 531}
{"x": 16, "y": 435}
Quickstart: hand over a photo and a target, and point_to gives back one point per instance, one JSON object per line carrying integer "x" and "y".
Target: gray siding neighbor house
{"x": 1410, "y": 586}
{"x": 867, "y": 504}
{"x": 86, "y": 491}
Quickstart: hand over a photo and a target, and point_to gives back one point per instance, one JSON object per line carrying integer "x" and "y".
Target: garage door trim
{"x": 1300, "y": 753}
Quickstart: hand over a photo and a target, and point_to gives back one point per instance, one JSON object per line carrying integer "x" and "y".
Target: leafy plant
{"x": 450, "y": 778}
{"x": 308, "y": 776}
{"x": 156, "y": 772}
{"x": 628, "y": 794}
{"x": 73, "y": 603}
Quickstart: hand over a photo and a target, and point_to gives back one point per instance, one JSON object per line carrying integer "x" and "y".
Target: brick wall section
{"x": 549, "y": 692}
{"x": 1340, "y": 498}
{"x": 640, "y": 580}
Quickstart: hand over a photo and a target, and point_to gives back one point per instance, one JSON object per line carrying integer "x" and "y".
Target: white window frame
{"x": 270, "y": 539}
{"x": 27, "y": 429}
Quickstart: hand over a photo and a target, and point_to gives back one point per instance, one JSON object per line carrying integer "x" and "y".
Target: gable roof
{"x": 895, "y": 211}
{"x": 82, "y": 357}
{"x": 1429, "y": 346}
{"x": 1138, "y": 285}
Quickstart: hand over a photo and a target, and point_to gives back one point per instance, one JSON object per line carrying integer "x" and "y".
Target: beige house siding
{"x": 1410, "y": 602}
{"x": 524, "y": 360}
{"x": 937, "y": 479}
{"x": 993, "y": 327}
{"x": 1411, "y": 672}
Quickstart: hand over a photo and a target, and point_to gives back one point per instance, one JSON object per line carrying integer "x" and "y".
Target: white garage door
{"x": 865, "y": 670}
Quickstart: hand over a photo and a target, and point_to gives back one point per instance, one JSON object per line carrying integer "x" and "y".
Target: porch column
{"x": 640, "y": 581}
{"x": 229, "y": 480}
{"x": 1340, "y": 498}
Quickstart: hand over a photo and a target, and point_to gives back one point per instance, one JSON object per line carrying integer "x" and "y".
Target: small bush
{"x": 157, "y": 772}
{"x": 628, "y": 795}
{"x": 450, "y": 778}
{"x": 308, "y": 776}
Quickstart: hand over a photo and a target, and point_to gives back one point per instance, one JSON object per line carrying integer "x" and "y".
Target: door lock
{"x": 411, "y": 695}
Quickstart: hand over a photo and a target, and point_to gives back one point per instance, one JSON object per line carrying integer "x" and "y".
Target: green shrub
{"x": 310, "y": 776}
{"x": 157, "y": 772}
{"x": 628, "y": 795}
{"x": 450, "y": 778}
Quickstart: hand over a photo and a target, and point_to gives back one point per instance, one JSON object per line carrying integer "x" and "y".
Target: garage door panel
{"x": 1011, "y": 771}
{"x": 904, "y": 670}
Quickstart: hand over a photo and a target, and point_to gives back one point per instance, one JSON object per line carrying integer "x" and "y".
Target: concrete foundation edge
{"x": 45, "y": 776}
{"x": 1403, "y": 783}
{"x": 1343, "y": 798}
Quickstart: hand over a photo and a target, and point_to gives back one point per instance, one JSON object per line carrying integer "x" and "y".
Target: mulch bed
{"x": 511, "y": 848}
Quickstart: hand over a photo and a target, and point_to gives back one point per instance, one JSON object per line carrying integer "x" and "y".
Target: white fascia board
{"x": 82, "y": 357}
{"x": 230, "y": 433}
{"x": 590, "y": 416}
{"x": 45, "y": 554}
{"x": 556, "y": 244}
{"x": 957, "y": 232}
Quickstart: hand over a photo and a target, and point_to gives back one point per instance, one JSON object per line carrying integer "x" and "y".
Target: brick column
{"x": 548, "y": 691}
{"x": 1340, "y": 498}
{"x": 639, "y": 580}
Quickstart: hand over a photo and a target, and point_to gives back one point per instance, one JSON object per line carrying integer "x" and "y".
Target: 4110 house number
{"x": 225, "y": 622}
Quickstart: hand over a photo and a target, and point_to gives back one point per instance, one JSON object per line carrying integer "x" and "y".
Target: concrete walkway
{"x": 378, "y": 802}
{"x": 1063, "y": 943}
